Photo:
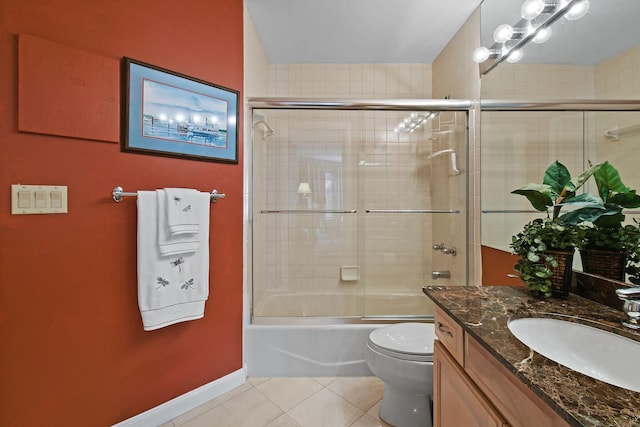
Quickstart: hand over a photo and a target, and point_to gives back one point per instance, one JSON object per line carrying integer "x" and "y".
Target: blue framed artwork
{"x": 169, "y": 114}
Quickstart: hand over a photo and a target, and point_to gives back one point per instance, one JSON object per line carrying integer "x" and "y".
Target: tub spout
{"x": 444, "y": 274}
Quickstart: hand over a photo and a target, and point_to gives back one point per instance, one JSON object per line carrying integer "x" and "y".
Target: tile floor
{"x": 292, "y": 402}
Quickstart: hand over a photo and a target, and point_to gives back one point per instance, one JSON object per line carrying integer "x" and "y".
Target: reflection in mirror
{"x": 517, "y": 146}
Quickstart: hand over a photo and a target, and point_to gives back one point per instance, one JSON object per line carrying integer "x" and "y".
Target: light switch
{"x": 38, "y": 199}
{"x": 56, "y": 199}
{"x": 41, "y": 199}
{"x": 24, "y": 199}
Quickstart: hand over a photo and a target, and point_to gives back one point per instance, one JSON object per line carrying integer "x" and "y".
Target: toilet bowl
{"x": 401, "y": 356}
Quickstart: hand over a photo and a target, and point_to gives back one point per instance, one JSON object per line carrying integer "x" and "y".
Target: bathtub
{"x": 320, "y": 347}
{"x": 307, "y": 350}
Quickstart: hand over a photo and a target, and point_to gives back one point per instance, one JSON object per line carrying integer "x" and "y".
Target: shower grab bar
{"x": 617, "y": 132}
{"x": 118, "y": 193}
{"x": 456, "y": 211}
{"x": 294, "y": 211}
{"x": 489, "y": 211}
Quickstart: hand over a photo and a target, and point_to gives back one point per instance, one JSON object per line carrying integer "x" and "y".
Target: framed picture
{"x": 170, "y": 114}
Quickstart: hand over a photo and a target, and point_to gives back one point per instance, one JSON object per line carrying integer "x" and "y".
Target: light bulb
{"x": 503, "y": 33}
{"x": 481, "y": 54}
{"x": 531, "y": 9}
{"x": 542, "y": 35}
{"x": 514, "y": 56}
{"x": 578, "y": 10}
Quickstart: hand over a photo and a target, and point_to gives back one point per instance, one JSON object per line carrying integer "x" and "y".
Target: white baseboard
{"x": 186, "y": 402}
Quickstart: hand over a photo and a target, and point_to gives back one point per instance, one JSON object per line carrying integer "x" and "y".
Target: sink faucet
{"x": 630, "y": 305}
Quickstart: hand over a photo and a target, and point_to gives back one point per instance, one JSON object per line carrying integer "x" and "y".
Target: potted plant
{"x": 610, "y": 244}
{"x": 546, "y": 245}
{"x": 633, "y": 261}
{"x": 546, "y": 250}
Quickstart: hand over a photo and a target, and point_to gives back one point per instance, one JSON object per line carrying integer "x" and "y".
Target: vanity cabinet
{"x": 472, "y": 388}
{"x": 457, "y": 400}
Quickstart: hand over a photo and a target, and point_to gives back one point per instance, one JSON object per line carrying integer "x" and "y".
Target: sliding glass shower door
{"x": 345, "y": 208}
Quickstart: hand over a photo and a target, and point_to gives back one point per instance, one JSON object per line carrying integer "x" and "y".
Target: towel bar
{"x": 118, "y": 193}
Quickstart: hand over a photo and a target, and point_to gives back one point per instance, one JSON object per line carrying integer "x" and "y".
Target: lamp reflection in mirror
{"x": 304, "y": 189}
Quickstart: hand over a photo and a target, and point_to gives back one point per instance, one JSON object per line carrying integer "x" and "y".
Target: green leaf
{"x": 612, "y": 218}
{"x": 539, "y": 195}
{"x": 577, "y": 216}
{"x": 578, "y": 181}
{"x": 584, "y": 199}
{"x": 608, "y": 180}
{"x": 627, "y": 200}
{"x": 556, "y": 176}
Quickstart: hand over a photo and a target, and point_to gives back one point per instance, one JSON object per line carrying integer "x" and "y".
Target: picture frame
{"x": 170, "y": 114}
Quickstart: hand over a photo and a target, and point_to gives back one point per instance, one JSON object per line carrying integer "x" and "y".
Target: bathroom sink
{"x": 598, "y": 354}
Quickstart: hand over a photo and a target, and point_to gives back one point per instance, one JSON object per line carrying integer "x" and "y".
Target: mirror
{"x": 596, "y": 57}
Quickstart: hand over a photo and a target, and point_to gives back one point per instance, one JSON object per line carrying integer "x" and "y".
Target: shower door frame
{"x": 410, "y": 105}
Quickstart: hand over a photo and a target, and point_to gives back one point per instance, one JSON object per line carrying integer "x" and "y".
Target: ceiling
{"x": 416, "y": 31}
{"x": 357, "y": 31}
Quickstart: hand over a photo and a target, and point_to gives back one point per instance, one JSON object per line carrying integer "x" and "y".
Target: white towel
{"x": 182, "y": 213}
{"x": 172, "y": 244}
{"x": 171, "y": 289}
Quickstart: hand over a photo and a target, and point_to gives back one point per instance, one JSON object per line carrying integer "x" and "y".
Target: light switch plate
{"x": 38, "y": 199}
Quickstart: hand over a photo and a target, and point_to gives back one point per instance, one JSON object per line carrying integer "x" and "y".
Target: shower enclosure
{"x": 354, "y": 207}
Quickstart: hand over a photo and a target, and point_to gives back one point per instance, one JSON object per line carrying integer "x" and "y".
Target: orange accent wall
{"x": 72, "y": 347}
{"x": 496, "y": 266}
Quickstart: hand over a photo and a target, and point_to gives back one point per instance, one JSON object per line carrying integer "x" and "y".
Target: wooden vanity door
{"x": 457, "y": 401}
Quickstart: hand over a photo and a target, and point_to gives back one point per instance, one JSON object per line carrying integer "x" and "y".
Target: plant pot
{"x": 609, "y": 264}
{"x": 561, "y": 279}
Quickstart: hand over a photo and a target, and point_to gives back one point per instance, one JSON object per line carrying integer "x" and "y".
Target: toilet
{"x": 401, "y": 356}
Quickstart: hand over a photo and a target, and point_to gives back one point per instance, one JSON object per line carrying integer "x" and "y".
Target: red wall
{"x": 72, "y": 347}
{"x": 497, "y": 265}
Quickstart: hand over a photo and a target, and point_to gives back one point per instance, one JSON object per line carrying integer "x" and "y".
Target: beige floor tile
{"x": 325, "y": 381}
{"x": 325, "y": 409}
{"x": 368, "y": 421}
{"x": 363, "y": 392}
{"x": 283, "y": 420}
{"x": 375, "y": 410}
{"x": 186, "y": 417}
{"x": 288, "y": 392}
{"x": 250, "y": 409}
{"x": 168, "y": 424}
{"x": 258, "y": 380}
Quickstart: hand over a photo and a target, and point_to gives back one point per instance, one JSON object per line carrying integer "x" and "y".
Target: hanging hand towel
{"x": 173, "y": 244}
{"x": 182, "y": 214}
{"x": 171, "y": 289}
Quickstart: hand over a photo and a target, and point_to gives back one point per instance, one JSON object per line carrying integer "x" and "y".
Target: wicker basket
{"x": 561, "y": 279}
{"x": 607, "y": 264}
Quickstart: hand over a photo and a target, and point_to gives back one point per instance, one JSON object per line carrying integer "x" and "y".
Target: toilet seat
{"x": 406, "y": 341}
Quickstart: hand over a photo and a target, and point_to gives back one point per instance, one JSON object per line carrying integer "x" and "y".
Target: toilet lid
{"x": 406, "y": 338}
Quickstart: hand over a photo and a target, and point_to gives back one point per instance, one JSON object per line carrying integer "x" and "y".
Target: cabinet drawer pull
{"x": 444, "y": 329}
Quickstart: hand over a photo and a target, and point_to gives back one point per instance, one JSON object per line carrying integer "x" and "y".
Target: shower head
{"x": 267, "y": 131}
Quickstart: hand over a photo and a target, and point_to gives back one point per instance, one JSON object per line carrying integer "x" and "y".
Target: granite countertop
{"x": 483, "y": 312}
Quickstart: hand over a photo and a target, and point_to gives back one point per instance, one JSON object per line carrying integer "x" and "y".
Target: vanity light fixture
{"x": 514, "y": 56}
{"x": 535, "y": 25}
{"x": 542, "y": 35}
{"x": 578, "y": 10}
